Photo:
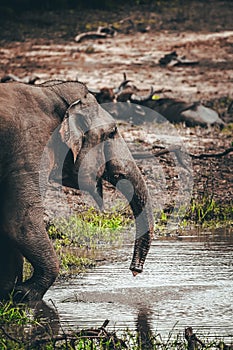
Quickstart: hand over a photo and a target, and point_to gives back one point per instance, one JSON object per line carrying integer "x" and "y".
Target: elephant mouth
{"x": 90, "y": 181}
{"x": 80, "y": 175}
{"x": 95, "y": 189}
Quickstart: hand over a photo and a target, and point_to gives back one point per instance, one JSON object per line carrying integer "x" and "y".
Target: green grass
{"x": 78, "y": 238}
{"x": 88, "y": 229}
{"x": 13, "y": 314}
{"x": 207, "y": 210}
{"x": 201, "y": 213}
{"x": 14, "y": 321}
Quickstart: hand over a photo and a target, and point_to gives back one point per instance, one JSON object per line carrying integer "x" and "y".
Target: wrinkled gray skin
{"x": 29, "y": 115}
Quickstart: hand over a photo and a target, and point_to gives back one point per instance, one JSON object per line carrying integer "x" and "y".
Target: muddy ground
{"x": 42, "y": 44}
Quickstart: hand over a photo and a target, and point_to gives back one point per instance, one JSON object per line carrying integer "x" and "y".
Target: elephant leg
{"x": 11, "y": 266}
{"x": 11, "y": 260}
{"x": 23, "y": 220}
{"x": 38, "y": 250}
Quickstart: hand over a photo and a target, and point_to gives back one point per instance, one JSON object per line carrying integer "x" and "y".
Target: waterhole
{"x": 187, "y": 281}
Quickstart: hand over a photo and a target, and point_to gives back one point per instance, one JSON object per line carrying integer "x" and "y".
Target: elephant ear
{"x": 73, "y": 128}
{"x": 79, "y": 131}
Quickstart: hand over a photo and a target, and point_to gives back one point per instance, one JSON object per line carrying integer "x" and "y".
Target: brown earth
{"x": 43, "y": 44}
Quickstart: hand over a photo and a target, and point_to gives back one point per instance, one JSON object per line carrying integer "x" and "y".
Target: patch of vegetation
{"x": 89, "y": 229}
{"x": 14, "y": 320}
{"x": 99, "y": 339}
{"x": 207, "y": 211}
{"x": 78, "y": 237}
{"x": 204, "y": 212}
{"x": 71, "y": 262}
{"x": 13, "y": 314}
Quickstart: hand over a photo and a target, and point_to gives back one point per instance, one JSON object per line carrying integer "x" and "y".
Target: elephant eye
{"x": 113, "y": 133}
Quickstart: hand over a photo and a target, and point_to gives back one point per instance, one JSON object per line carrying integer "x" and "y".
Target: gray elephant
{"x": 29, "y": 117}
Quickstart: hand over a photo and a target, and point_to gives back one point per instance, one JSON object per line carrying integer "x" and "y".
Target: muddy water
{"x": 187, "y": 281}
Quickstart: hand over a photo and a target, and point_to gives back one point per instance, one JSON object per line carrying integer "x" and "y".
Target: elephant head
{"x": 100, "y": 153}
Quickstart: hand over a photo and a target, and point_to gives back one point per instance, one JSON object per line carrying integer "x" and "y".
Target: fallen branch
{"x": 177, "y": 148}
{"x": 212, "y": 155}
{"x": 99, "y": 334}
{"x": 157, "y": 154}
{"x": 90, "y": 35}
{"x": 172, "y": 59}
{"x": 100, "y": 33}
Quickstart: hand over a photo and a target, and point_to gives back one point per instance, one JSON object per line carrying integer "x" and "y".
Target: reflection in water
{"x": 187, "y": 281}
{"x": 143, "y": 329}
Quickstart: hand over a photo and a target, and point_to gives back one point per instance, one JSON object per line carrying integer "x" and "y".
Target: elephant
{"x": 30, "y": 116}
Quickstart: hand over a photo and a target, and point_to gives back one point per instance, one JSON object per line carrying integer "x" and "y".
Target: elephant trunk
{"x": 122, "y": 172}
{"x": 144, "y": 233}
